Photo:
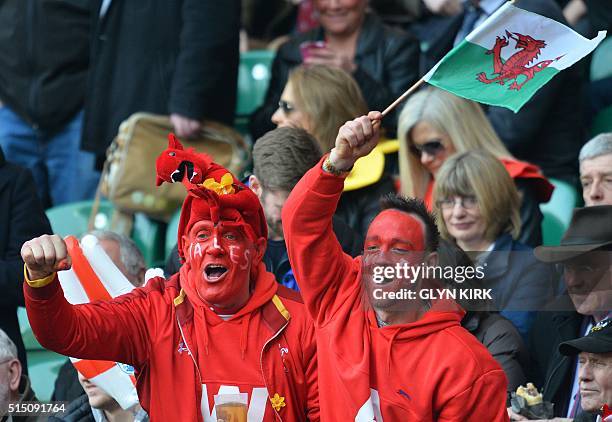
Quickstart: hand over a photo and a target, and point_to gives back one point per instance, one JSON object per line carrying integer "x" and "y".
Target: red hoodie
{"x": 180, "y": 349}
{"x": 431, "y": 369}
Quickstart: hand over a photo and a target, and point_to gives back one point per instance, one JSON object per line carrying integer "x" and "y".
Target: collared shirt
{"x": 139, "y": 416}
{"x": 576, "y": 384}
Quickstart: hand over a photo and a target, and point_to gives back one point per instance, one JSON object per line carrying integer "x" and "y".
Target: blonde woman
{"x": 478, "y": 209}
{"x": 320, "y": 99}
{"x": 434, "y": 124}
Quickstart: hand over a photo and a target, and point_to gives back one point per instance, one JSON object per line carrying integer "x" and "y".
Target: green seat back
{"x": 72, "y": 218}
{"x": 43, "y": 364}
{"x": 253, "y": 79}
{"x": 601, "y": 63}
{"x": 172, "y": 232}
{"x": 602, "y": 122}
{"x": 558, "y": 212}
{"x": 149, "y": 236}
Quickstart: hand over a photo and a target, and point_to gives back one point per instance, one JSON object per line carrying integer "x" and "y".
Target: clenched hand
{"x": 45, "y": 255}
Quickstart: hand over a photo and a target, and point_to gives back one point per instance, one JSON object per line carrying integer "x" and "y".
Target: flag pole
{"x": 403, "y": 96}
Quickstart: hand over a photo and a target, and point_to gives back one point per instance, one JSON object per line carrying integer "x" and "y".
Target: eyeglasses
{"x": 286, "y": 106}
{"x": 466, "y": 202}
{"x": 430, "y": 148}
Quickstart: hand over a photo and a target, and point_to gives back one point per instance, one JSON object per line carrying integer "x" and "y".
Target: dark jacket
{"x": 44, "y": 55}
{"x": 521, "y": 284}
{"x": 279, "y": 265}
{"x": 161, "y": 56}
{"x": 531, "y": 215}
{"x": 551, "y": 371}
{"x": 503, "y": 341}
{"x": 387, "y": 64}
{"x": 67, "y": 386}
{"x": 359, "y": 207}
{"x": 21, "y": 218}
{"x": 550, "y": 122}
{"x": 77, "y": 410}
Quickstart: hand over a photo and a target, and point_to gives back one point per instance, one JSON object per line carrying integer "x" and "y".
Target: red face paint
{"x": 394, "y": 239}
{"x": 220, "y": 259}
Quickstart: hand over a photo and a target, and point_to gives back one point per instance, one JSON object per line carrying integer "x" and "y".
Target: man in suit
{"x": 594, "y": 353}
{"x": 550, "y": 122}
{"x": 585, "y": 254}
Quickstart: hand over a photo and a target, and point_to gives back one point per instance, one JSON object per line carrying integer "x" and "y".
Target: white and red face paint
{"x": 220, "y": 259}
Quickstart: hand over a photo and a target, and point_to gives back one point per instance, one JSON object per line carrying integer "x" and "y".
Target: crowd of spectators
{"x": 471, "y": 177}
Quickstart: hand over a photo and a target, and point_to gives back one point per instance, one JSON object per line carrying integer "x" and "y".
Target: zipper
{"x": 189, "y": 350}
{"x": 261, "y": 364}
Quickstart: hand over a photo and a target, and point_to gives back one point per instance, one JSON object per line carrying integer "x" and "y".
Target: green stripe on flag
{"x": 458, "y": 72}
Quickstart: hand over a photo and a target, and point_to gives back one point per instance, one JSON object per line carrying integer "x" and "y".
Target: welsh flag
{"x": 94, "y": 276}
{"x": 509, "y": 57}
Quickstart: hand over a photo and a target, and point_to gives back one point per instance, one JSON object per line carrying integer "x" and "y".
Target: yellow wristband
{"x": 41, "y": 282}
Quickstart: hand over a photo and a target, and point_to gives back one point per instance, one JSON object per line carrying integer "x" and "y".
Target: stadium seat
{"x": 149, "y": 236}
{"x": 43, "y": 364}
{"x": 600, "y": 63}
{"x": 558, "y": 212}
{"x": 73, "y": 218}
{"x": 602, "y": 122}
{"x": 172, "y": 232}
{"x": 253, "y": 79}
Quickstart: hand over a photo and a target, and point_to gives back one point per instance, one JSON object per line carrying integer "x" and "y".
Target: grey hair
{"x": 599, "y": 145}
{"x": 131, "y": 257}
{"x": 8, "y": 350}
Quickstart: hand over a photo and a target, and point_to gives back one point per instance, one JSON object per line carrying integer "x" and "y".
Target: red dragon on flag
{"x": 517, "y": 64}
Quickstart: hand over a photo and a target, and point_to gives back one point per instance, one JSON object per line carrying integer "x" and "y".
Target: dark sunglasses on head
{"x": 285, "y": 106}
{"x": 430, "y": 148}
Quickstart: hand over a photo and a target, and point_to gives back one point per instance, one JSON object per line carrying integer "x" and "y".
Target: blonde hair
{"x": 328, "y": 97}
{"x": 482, "y": 175}
{"x": 462, "y": 120}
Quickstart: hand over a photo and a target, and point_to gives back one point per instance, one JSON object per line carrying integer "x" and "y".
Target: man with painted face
{"x": 222, "y": 326}
{"x": 382, "y": 358}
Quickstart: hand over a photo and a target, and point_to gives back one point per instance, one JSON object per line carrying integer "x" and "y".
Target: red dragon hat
{"x": 213, "y": 193}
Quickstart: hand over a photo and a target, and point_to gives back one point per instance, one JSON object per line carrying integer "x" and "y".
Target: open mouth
{"x": 215, "y": 272}
{"x": 183, "y": 167}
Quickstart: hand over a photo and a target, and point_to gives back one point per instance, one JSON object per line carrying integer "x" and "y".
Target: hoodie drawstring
{"x": 244, "y": 335}
{"x": 389, "y": 348}
{"x": 205, "y": 335}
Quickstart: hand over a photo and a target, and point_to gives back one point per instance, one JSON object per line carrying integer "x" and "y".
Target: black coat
{"x": 504, "y": 343}
{"x": 161, "y": 56}
{"x": 551, "y": 371}
{"x": 22, "y": 218}
{"x": 548, "y": 131}
{"x": 387, "y": 64}
{"x": 44, "y": 54}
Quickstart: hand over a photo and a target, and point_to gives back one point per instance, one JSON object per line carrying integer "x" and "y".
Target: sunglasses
{"x": 430, "y": 148}
{"x": 286, "y": 106}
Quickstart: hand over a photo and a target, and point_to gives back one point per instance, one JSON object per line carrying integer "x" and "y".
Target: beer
{"x": 231, "y": 412}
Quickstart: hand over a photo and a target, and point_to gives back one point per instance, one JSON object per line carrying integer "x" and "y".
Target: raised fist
{"x": 356, "y": 139}
{"x": 45, "y": 255}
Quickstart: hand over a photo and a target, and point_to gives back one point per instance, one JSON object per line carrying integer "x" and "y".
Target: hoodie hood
{"x": 443, "y": 314}
{"x": 262, "y": 291}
